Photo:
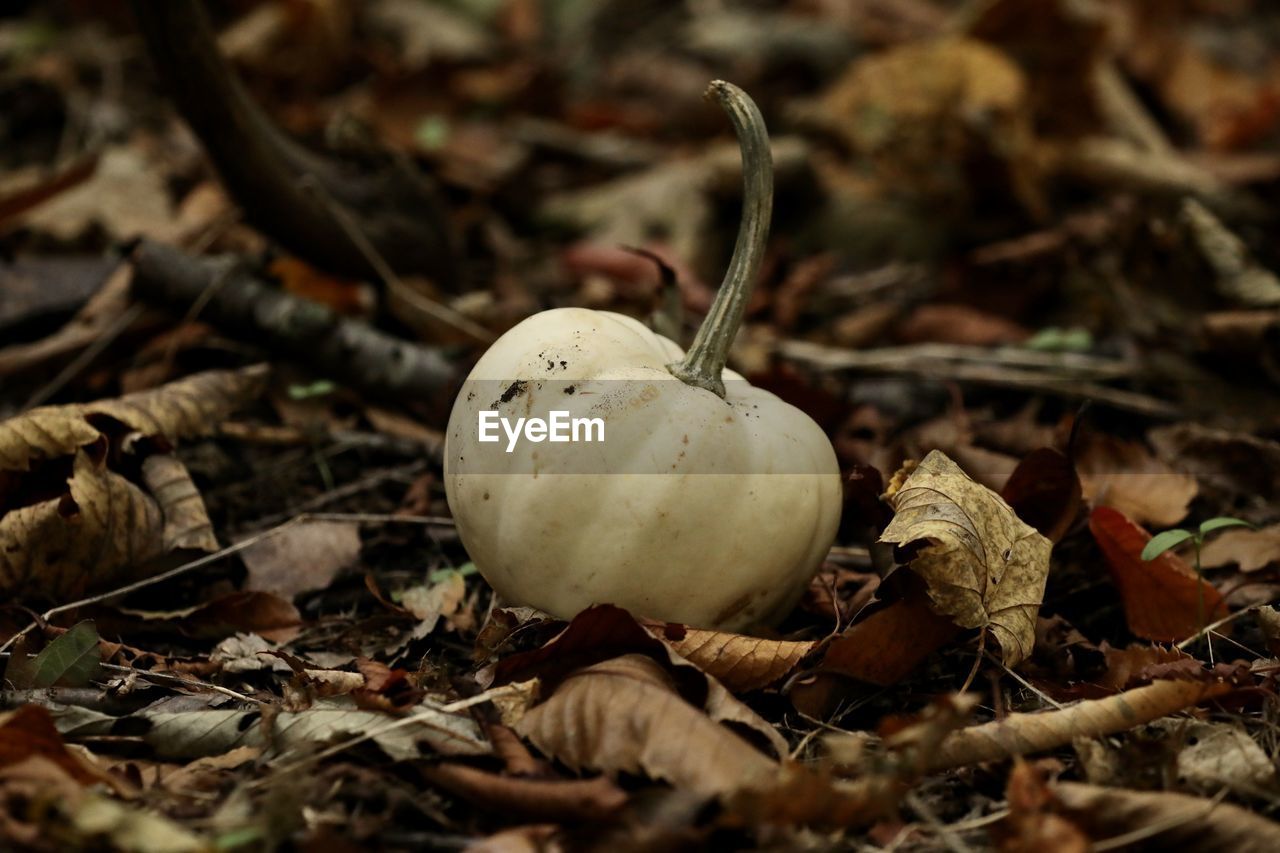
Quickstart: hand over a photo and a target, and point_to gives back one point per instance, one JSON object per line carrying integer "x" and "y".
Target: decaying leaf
{"x": 1163, "y": 599}
{"x": 71, "y": 660}
{"x": 186, "y": 733}
{"x": 1249, "y": 549}
{"x": 29, "y": 731}
{"x": 1023, "y": 734}
{"x": 739, "y": 662}
{"x": 302, "y": 558}
{"x": 1125, "y": 476}
{"x": 1167, "y": 821}
{"x": 625, "y": 715}
{"x": 71, "y": 520}
{"x": 1211, "y": 755}
{"x": 1033, "y": 823}
{"x": 984, "y": 567}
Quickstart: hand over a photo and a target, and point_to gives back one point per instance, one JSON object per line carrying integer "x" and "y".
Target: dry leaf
{"x": 1236, "y": 463}
{"x": 1045, "y": 492}
{"x": 624, "y": 715}
{"x": 737, "y": 661}
{"x": 71, "y": 521}
{"x": 30, "y": 731}
{"x": 302, "y": 558}
{"x": 1184, "y": 823}
{"x": 1124, "y": 475}
{"x": 1033, "y": 824}
{"x": 1215, "y": 754}
{"x": 1163, "y": 599}
{"x": 984, "y": 567}
{"x": 1022, "y": 734}
{"x": 1249, "y": 549}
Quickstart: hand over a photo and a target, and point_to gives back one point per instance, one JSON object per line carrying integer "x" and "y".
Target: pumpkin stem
{"x": 703, "y": 363}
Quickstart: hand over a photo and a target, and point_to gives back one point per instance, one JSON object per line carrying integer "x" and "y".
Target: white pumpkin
{"x": 708, "y": 501}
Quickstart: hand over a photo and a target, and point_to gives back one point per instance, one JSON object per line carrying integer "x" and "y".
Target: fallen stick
{"x": 243, "y": 306}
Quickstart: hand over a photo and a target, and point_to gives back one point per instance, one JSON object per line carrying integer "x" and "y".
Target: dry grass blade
{"x": 1022, "y": 734}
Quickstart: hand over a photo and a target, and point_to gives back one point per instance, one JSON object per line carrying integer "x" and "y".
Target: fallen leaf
{"x": 1249, "y": 549}
{"x": 429, "y": 603}
{"x": 302, "y": 558}
{"x": 1045, "y": 492}
{"x": 71, "y": 521}
{"x": 958, "y": 324}
{"x": 71, "y": 660}
{"x": 1163, "y": 598}
{"x": 624, "y": 715}
{"x": 30, "y": 731}
{"x": 1186, "y": 823}
{"x": 739, "y": 662}
{"x": 1125, "y": 476}
{"x": 1235, "y": 463}
{"x": 1033, "y": 824}
{"x": 247, "y": 612}
{"x": 1211, "y": 755}
{"x": 571, "y": 800}
{"x": 884, "y": 647}
{"x": 984, "y": 567}
{"x": 1023, "y": 734}
{"x": 127, "y": 196}
{"x": 188, "y": 734}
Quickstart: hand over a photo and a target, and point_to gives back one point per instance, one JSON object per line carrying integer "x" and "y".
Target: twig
{"x": 307, "y": 331}
{"x": 1000, "y": 368}
{"x": 397, "y": 207}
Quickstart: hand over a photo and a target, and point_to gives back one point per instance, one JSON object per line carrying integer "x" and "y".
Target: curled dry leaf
{"x": 625, "y": 715}
{"x": 29, "y": 732}
{"x": 984, "y": 567}
{"x": 1125, "y": 476}
{"x": 739, "y": 662}
{"x": 71, "y": 521}
{"x": 302, "y": 558}
{"x": 1163, "y": 599}
{"x": 1023, "y": 734}
{"x": 1169, "y": 821}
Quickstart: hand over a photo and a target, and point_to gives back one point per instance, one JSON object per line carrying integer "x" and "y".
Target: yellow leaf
{"x": 984, "y": 567}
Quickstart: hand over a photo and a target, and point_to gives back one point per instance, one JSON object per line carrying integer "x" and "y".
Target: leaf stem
{"x": 705, "y": 360}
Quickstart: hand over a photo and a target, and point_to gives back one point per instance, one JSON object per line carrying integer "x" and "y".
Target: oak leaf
{"x": 984, "y": 567}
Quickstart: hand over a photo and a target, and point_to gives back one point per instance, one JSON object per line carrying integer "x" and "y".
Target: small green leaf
{"x": 72, "y": 660}
{"x": 319, "y": 388}
{"x": 1221, "y": 522}
{"x": 438, "y": 575}
{"x": 1162, "y": 542}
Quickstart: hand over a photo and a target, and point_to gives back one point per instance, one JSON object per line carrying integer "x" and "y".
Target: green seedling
{"x": 1170, "y": 539}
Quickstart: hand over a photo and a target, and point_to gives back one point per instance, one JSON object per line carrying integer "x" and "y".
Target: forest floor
{"x": 1020, "y": 260}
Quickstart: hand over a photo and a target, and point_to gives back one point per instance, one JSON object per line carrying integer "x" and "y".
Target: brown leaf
{"x": 891, "y": 642}
{"x": 739, "y": 662}
{"x": 71, "y": 520}
{"x": 1249, "y": 549}
{"x": 984, "y": 567}
{"x": 1022, "y": 734}
{"x": 572, "y": 800}
{"x": 302, "y": 558}
{"x": 624, "y": 715}
{"x": 958, "y": 324}
{"x": 1124, "y": 475}
{"x": 1163, "y": 599}
{"x": 1187, "y": 823}
{"x": 1033, "y": 825}
{"x": 1045, "y": 492}
{"x": 1236, "y": 463}
{"x": 247, "y": 612}
{"x": 29, "y": 731}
